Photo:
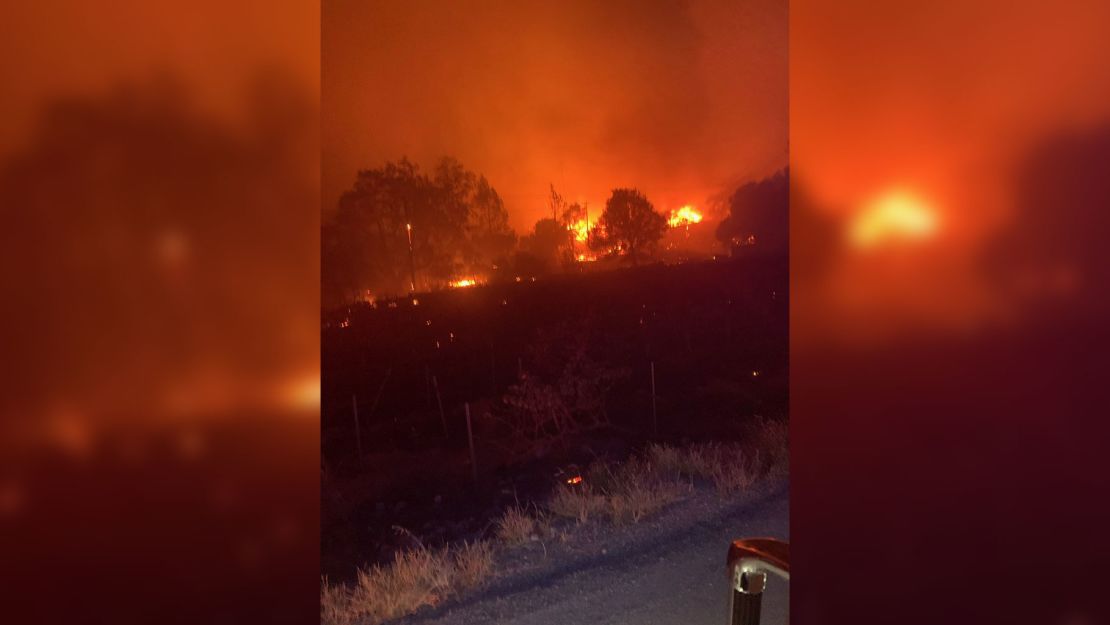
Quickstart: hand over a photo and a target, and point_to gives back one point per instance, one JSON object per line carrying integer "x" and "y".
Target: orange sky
{"x": 683, "y": 100}
{"x": 53, "y": 47}
{"x": 943, "y": 96}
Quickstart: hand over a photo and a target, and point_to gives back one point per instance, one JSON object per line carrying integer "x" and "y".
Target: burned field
{"x": 555, "y": 372}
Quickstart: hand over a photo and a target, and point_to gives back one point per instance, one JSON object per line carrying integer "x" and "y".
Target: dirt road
{"x": 673, "y": 575}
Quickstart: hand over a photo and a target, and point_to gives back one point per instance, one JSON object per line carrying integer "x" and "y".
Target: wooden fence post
{"x": 470, "y": 441}
{"x": 358, "y": 429}
{"x": 439, "y": 401}
{"x": 654, "y": 415}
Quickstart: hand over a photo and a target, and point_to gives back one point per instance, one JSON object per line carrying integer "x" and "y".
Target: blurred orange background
{"x": 948, "y": 309}
{"x": 946, "y": 104}
{"x": 159, "y": 177}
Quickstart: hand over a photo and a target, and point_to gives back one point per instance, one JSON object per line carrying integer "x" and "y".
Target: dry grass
{"x": 774, "y": 438}
{"x": 642, "y": 500}
{"x": 621, "y": 493}
{"x": 691, "y": 461}
{"x": 625, "y": 492}
{"x": 335, "y": 604}
{"x": 579, "y": 503}
{"x": 726, "y": 465}
{"x": 414, "y": 579}
{"x": 473, "y": 564}
{"x": 735, "y": 476}
{"x": 518, "y": 526}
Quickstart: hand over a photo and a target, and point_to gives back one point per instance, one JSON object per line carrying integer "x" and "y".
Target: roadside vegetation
{"x": 612, "y": 493}
{"x": 416, "y": 578}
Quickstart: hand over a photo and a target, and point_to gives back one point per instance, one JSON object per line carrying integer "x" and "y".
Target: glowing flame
{"x": 303, "y": 393}
{"x": 464, "y": 282}
{"x": 896, "y": 215}
{"x": 684, "y": 217}
{"x": 575, "y": 480}
{"x": 580, "y": 229}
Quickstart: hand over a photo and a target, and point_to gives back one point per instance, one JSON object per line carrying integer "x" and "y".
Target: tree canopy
{"x": 456, "y": 220}
{"x": 759, "y": 215}
{"x": 630, "y": 224}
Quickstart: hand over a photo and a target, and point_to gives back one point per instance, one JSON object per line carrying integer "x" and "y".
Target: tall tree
{"x": 398, "y": 227}
{"x": 630, "y": 224}
{"x": 488, "y": 229}
{"x": 547, "y": 242}
{"x": 758, "y": 215}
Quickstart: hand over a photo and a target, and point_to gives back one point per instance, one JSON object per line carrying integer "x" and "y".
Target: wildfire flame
{"x": 897, "y": 215}
{"x": 684, "y": 217}
{"x": 463, "y": 282}
{"x": 575, "y": 480}
{"x": 580, "y": 229}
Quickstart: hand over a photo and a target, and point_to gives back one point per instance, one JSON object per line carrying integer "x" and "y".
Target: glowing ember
{"x": 575, "y": 480}
{"x": 346, "y": 323}
{"x": 586, "y": 258}
{"x": 684, "y": 217}
{"x": 464, "y": 282}
{"x": 896, "y": 215}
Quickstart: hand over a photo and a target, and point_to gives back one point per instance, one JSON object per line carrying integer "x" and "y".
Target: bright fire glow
{"x": 304, "y": 393}
{"x": 893, "y": 216}
{"x": 464, "y": 282}
{"x": 575, "y": 480}
{"x": 684, "y": 217}
{"x": 580, "y": 229}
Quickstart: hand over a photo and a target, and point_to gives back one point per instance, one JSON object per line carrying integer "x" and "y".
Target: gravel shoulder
{"x": 665, "y": 570}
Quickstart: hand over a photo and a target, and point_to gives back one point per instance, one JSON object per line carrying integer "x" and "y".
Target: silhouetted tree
{"x": 458, "y": 223}
{"x": 548, "y": 240}
{"x": 630, "y": 224}
{"x": 759, "y": 216}
{"x": 488, "y": 229}
{"x": 556, "y": 203}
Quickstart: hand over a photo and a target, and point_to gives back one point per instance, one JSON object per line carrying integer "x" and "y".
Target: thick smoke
{"x": 685, "y": 100}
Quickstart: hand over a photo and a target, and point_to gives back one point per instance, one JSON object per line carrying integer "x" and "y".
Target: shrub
{"x": 564, "y": 393}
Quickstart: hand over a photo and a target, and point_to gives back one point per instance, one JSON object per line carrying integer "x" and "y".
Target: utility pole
{"x": 358, "y": 430}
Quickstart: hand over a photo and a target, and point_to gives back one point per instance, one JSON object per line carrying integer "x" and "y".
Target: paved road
{"x": 678, "y": 580}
